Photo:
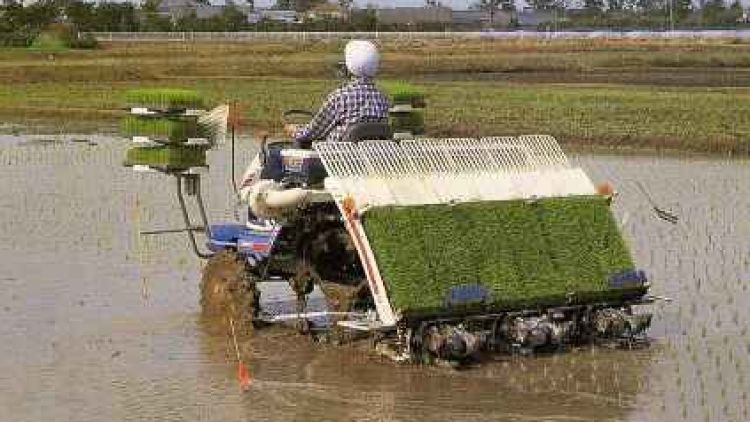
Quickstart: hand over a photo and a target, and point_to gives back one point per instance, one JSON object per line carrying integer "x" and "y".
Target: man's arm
{"x": 320, "y": 125}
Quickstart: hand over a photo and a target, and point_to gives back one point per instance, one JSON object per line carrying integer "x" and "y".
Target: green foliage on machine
{"x": 165, "y": 98}
{"x": 167, "y": 157}
{"x": 170, "y": 128}
{"x": 525, "y": 253}
{"x": 407, "y": 121}
{"x": 402, "y": 92}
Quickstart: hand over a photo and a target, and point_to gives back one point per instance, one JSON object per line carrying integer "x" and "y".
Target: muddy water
{"x": 98, "y": 323}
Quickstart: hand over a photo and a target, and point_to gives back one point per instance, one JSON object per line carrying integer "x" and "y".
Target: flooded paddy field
{"x": 98, "y": 323}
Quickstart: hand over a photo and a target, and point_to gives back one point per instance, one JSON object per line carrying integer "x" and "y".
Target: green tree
{"x": 713, "y": 12}
{"x": 151, "y": 20}
{"x": 735, "y": 12}
{"x": 681, "y": 8}
{"x": 492, "y": 6}
{"x": 651, "y": 5}
{"x": 189, "y": 22}
{"x": 40, "y": 14}
{"x": 81, "y": 15}
{"x": 297, "y": 5}
{"x": 115, "y": 17}
{"x": 364, "y": 19}
{"x": 233, "y": 19}
{"x": 593, "y": 6}
{"x": 20, "y": 25}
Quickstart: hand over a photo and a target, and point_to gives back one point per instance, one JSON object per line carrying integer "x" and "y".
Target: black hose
{"x": 234, "y": 178}
{"x": 660, "y": 213}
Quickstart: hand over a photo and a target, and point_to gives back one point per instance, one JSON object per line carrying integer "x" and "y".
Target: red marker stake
{"x": 243, "y": 375}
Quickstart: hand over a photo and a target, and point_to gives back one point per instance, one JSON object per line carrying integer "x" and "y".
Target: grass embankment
{"x": 473, "y": 88}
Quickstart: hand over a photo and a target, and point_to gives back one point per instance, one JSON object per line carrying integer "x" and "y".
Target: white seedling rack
{"x": 439, "y": 171}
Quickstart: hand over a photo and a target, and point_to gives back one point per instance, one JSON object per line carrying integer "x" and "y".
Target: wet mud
{"x": 99, "y": 323}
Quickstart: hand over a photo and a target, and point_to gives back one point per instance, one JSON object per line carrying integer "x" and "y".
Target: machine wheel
{"x": 228, "y": 290}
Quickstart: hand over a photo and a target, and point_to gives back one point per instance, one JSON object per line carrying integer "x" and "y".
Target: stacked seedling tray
{"x": 525, "y": 253}
{"x": 407, "y": 111}
{"x": 164, "y": 127}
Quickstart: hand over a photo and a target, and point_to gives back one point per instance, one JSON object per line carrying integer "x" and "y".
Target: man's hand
{"x": 290, "y": 129}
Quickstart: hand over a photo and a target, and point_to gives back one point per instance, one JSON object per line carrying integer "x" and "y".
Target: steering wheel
{"x": 296, "y": 116}
{"x": 292, "y": 116}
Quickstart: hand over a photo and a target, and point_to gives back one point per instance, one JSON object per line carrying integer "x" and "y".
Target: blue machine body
{"x": 255, "y": 241}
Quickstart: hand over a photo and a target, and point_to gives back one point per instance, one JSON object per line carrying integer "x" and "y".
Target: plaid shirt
{"x": 357, "y": 101}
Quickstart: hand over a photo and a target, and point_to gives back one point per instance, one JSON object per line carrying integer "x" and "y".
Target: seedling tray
{"x": 171, "y": 129}
{"x": 525, "y": 254}
{"x": 168, "y": 157}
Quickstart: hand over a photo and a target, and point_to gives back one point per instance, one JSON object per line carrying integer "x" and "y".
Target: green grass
{"x": 672, "y": 94}
{"x": 50, "y": 41}
{"x": 697, "y": 119}
{"x": 526, "y": 254}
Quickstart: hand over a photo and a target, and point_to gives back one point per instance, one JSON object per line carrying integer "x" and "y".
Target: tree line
{"x": 623, "y": 14}
{"x": 20, "y": 24}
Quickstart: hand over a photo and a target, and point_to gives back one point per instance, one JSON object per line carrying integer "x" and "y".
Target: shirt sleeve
{"x": 321, "y": 123}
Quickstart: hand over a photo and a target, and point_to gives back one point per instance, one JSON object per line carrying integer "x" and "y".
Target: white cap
{"x": 362, "y": 58}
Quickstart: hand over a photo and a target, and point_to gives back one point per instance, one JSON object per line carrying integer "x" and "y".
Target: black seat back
{"x": 367, "y": 131}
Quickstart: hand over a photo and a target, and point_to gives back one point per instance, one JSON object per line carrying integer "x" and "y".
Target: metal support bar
{"x": 167, "y": 231}
{"x": 186, "y": 216}
{"x": 201, "y": 207}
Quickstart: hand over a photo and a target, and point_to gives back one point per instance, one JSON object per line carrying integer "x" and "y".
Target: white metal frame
{"x": 440, "y": 171}
{"x": 434, "y": 171}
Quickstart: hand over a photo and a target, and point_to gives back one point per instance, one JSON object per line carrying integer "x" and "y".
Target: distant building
{"x": 176, "y": 9}
{"x": 324, "y": 10}
{"x": 405, "y": 16}
{"x": 480, "y": 18}
{"x": 535, "y": 18}
{"x": 210, "y": 11}
{"x": 474, "y": 17}
{"x": 280, "y": 16}
{"x": 206, "y": 12}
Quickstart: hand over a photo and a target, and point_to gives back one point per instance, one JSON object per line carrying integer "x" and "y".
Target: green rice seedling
{"x": 173, "y": 128}
{"x": 165, "y": 98}
{"x": 526, "y": 254}
{"x": 404, "y": 93}
{"x": 172, "y": 157}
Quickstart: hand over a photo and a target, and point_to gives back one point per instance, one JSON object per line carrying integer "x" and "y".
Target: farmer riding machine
{"x": 435, "y": 249}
